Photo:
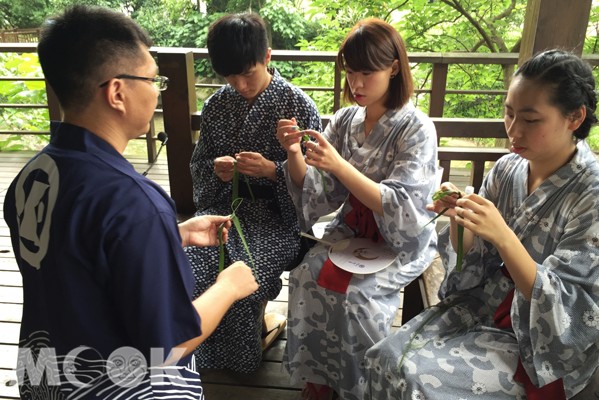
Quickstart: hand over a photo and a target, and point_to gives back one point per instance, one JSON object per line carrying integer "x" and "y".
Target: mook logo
{"x": 125, "y": 367}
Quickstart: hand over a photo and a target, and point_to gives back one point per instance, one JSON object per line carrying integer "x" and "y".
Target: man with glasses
{"x": 108, "y": 309}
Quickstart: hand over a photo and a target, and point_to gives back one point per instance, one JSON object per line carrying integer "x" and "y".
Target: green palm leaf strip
{"x": 236, "y": 180}
{"x": 460, "y": 252}
{"x": 247, "y": 182}
{"x": 221, "y": 248}
{"x": 237, "y": 225}
{"x": 235, "y": 183}
{"x": 306, "y": 138}
{"x": 439, "y": 194}
{"x": 235, "y": 203}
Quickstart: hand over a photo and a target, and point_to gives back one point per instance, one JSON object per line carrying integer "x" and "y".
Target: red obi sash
{"x": 361, "y": 220}
{"x": 551, "y": 391}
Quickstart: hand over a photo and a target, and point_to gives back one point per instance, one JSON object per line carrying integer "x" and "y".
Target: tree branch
{"x": 456, "y": 5}
{"x": 507, "y": 12}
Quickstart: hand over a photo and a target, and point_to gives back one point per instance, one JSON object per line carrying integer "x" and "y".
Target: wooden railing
{"x": 181, "y": 118}
{"x": 20, "y": 35}
{"x": 179, "y": 113}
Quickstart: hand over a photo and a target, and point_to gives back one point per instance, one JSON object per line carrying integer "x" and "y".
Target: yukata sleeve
{"x": 208, "y": 189}
{"x": 405, "y": 190}
{"x": 558, "y": 329}
{"x": 304, "y": 110}
{"x": 312, "y": 201}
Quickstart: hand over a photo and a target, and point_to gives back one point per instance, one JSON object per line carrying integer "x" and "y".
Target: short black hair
{"x": 571, "y": 83}
{"x": 237, "y": 42}
{"x": 78, "y": 48}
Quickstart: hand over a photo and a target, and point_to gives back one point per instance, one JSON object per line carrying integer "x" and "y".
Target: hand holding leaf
{"x": 440, "y": 194}
{"x": 223, "y": 168}
{"x": 306, "y": 138}
{"x": 289, "y": 135}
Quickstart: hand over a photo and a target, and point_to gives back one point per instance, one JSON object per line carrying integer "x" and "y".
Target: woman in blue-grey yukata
{"x": 378, "y": 161}
{"x": 238, "y": 131}
{"x": 521, "y": 319}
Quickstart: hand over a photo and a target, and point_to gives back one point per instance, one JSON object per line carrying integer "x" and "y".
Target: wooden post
{"x": 178, "y": 103}
{"x": 438, "y": 90}
{"x": 338, "y": 83}
{"x": 554, "y": 24}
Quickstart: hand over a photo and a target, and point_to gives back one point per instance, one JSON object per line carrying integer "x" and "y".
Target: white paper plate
{"x": 361, "y": 256}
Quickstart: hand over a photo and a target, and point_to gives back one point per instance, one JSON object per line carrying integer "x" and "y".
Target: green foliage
{"x": 231, "y": 6}
{"x": 591, "y": 44}
{"x": 457, "y": 25}
{"x": 22, "y": 14}
{"x": 426, "y": 26}
{"x": 287, "y": 23}
{"x": 22, "y": 92}
{"x": 317, "y": 74}
{"x": 593, "y": 139}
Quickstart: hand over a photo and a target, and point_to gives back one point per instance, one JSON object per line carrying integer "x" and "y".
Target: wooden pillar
{"x": 438, "y": 90}
{"x": 554, "y": 23}
{"x": 178, "y": 103}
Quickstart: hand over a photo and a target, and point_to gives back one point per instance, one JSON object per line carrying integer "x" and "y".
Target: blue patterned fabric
{"x": 230, "y": 125}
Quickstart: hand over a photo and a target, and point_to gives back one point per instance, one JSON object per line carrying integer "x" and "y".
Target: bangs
{"x": 361, "y": 53}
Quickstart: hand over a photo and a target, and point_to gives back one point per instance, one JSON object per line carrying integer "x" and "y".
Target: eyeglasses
{"x": 161, "y": 82}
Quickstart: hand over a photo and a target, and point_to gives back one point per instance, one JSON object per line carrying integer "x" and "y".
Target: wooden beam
{"x": 554, "y": 24}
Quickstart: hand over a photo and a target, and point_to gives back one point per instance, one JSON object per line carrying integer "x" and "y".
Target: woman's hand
{"x": 321, "y": 154}
{"x": 482, "y": 218}
{"x": 445, "y": 204}
{"x": 223, "y": 168}
{"x": 289, "y": 135}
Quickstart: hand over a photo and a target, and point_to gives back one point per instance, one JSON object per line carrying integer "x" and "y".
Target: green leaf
{"x": 237, "y": 225}
{"x": 235, "y": 203}
{"x": 235, "y": 188}
{"x": 460, "y": 250}
{"x": 439, "y": 194}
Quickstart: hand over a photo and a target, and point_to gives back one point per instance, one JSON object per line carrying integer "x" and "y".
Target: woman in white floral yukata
{"x": 378, "y": 159}
{"x": 521, "y": 319}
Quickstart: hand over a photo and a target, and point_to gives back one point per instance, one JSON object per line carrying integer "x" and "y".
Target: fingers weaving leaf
{"x": 306, "y": 138}
{"x": 438, "y": 195}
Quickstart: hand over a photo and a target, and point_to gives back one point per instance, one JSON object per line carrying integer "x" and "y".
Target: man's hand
{"x": 255, "y": 165}
{"x": 204, "y": 230}
{"x": 239, "y": 278}
{"x": 223, "y": 168}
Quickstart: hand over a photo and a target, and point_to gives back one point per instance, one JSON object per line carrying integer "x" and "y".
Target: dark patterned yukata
{"x": 269, "y": 223}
